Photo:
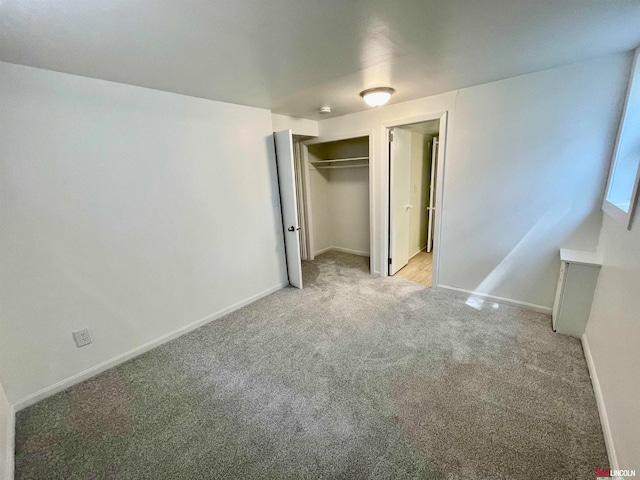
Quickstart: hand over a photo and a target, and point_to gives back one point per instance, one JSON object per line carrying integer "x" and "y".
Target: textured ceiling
{"x": 293, "y": 56}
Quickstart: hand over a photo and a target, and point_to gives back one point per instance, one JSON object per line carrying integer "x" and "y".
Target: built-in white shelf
{"x": 332, "y": 160}
{"x": 576, "y": 285}
{"x": 327, "y": 163}
{"x": 341, "y": 166}
{"x": 580, "y": 257}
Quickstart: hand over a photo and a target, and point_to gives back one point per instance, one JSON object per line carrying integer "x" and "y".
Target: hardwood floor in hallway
{"x": 418, "y": 269}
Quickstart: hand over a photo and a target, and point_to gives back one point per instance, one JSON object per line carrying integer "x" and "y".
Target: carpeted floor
{"x": 352, "y": 377}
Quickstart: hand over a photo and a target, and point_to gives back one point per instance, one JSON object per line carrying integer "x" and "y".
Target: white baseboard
{"x": 345, "y": 250}
{"x": 348, "y": 250}
{"x": 501, "y": 300}
{"x": 79, "y": 377}
{"x": 11, "y": 444}
{"x": 7, "y": 456}
{"x": 422, "y": 249}
{"x": 319, "y": 252}
{"x": 602, "y": 411}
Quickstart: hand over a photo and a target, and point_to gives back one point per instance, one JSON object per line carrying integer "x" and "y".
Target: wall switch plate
{"x": 82, "y": 337}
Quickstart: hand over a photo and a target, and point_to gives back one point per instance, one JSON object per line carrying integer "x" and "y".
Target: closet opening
{"x": 337, "y": 203}
{"x": 302, "y": 192}
{"x": 413, "y": 187}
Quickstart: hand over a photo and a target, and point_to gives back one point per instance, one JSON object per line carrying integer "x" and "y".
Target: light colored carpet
{"x": 352, "y": 377}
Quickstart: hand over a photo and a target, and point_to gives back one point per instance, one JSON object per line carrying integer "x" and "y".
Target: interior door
{"x": 399, "y": 198}
{"x": 288, "y": 204}
{"x": 432, "y": 193}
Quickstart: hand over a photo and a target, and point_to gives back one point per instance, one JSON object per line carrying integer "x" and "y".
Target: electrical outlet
{"x": 82, "y": 337}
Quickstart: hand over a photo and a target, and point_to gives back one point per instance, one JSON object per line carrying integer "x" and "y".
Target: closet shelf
{"x": 328, "y": 167}
{"x": 330, "y": 160}
{"x": 328, "y": 163}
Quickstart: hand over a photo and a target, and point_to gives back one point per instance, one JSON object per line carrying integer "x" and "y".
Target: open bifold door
{"x": 288, "y": 204}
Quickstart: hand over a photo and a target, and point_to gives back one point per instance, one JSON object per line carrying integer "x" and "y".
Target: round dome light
{"x": 376, "y": 97}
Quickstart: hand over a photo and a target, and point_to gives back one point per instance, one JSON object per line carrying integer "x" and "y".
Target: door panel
{"x": 399, "y": 199}
{"x": 432, "y": 193}
{"x": 287, "y": 184}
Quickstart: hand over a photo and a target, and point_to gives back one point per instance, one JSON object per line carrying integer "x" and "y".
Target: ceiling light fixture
{"x": 376, "y": 97}
{"x": 325, "y": 109}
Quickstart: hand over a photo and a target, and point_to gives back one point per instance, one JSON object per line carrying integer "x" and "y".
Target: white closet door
{"x": 287, "y": 183}
{"x": 432, "y": 193}
{"x": 400, "y": 198}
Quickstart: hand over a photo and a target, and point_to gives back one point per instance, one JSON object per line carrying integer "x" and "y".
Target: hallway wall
{"x": 420, "y": 151}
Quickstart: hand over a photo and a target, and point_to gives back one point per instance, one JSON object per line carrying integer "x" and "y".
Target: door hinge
{"x": 390, "y": 136}
{"x": 389, "y": 260}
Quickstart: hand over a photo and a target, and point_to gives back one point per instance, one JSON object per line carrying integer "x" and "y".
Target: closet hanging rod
{"x": 342, "y": 166}
{"x": 328, "y": 160}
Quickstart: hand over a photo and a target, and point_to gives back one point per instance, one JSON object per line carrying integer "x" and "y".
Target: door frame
{"x": 370, "y": 133}
{"x": 385, "y": 179}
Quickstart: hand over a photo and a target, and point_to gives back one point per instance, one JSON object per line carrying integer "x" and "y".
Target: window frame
{"x": 610, "y": 208}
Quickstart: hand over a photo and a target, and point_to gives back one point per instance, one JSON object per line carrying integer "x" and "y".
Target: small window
{"x": 623, "y": 177}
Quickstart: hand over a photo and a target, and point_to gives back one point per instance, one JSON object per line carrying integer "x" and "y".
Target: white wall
{"x": 349, "y": 194}
{"x": 321, "y": 209}
{"x": 612, "y": 333}
{"x": 525, "y": 162}
{"x": 6, "y": 437}
{"x": 419, "y": 193}
{"x": 340, "y": 209}
{"x": 298, "y": 126}
{"x": 130, "y": 211}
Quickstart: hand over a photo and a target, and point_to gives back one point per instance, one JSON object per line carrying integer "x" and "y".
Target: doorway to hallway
{"x": 413, "y": 154}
